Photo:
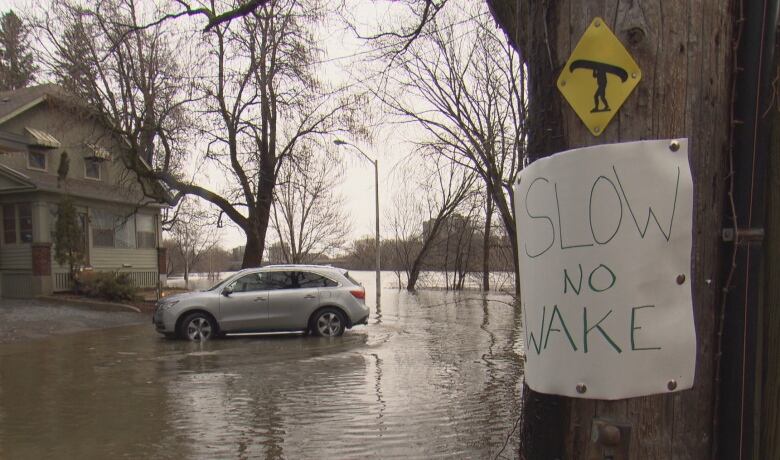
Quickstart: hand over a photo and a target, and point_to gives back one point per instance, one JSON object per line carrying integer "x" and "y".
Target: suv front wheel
{"x": 198, "y": 327}
{"x": 328, "y": 322}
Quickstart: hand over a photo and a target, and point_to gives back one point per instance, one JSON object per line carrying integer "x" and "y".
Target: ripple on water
{"x": 430, "y": 382}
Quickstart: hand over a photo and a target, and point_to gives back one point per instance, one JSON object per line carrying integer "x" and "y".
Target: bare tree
{"x": 473, "y": 109}
{"x": 403, "y": 222}
{"x": 423, "y": 12}
{"x": 456, "y": 244}
{"x": 420, "y": 216}
{"x": 257, "y": 97}
{"x": 361, "y": 254}
{"x": 308, "y": 215}
{"x": 192, "y": 234}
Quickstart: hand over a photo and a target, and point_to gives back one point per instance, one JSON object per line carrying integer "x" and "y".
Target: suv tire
{"x": 328, "y": 322}
{"x": 198, "y": 327}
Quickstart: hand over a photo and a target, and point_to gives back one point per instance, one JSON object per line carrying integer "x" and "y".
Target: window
{"x": 91, "y": 169}
{"x": 249, "y": 283}
{"x": 36, "y": 160}
{"x": 124, "y": 236}
{"x": 9, "y": 223}
{"x": 313, "y": 280}
{"x": 102, "y": 229}
{"x": 281, "y": 280}
{"x": 351, "y": 279}
{"x": 145, "y": 231}
{"x": 17, "y": 221}
{"x": 112, "y": 230}
{"x": 25, "y": 222}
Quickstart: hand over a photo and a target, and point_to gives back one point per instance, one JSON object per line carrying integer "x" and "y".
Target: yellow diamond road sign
{"x": 598, "y": 77}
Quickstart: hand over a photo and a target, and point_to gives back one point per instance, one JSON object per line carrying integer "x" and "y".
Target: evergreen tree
{"x": 68, "y": 236}
{"x": 17, "y": 67}
{"x": 62, "y": 170}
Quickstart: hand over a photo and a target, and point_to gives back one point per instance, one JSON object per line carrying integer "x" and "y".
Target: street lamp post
{"x": 376, "y": 204}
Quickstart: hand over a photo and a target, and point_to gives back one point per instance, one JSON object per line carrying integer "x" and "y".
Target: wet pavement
{"x": 22, "y": 320}
{"x": 433, "y": 375}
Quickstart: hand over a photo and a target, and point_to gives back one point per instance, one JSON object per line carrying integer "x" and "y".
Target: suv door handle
{"x": 309, "y": 296}
{"x": 259, "y": 298}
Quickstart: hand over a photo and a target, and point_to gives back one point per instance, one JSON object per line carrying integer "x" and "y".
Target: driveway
{"x": 29, "y": 319}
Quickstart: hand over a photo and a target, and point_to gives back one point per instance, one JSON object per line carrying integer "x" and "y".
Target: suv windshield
{"x": 219, "y": 283}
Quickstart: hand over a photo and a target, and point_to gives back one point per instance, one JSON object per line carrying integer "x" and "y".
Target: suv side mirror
{"x": 227, "y": 291}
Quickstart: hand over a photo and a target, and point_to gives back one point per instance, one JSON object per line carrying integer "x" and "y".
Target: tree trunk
{"x": 186, "y": 272}
{"x": 506, "y": 213}
{"x": 414, "y": 272}
{"x": 253, "y": 252}
{"x": 684, "y": 51}
{"x": 486, "y": 244}
{"x": 258, "y": 220}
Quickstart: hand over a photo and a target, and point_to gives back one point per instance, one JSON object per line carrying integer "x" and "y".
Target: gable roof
{"x": 15, "y": 102}
{"x": 18, "y": 101}
{"x": 12, "y": 142}
{"x": 14, "y": 181}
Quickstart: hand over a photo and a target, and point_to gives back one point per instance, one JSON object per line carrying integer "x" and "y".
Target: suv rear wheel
{"x": 328, "y": 322}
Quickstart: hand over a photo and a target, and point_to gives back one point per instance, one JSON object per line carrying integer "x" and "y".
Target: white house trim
{"x": 22, "y": 109}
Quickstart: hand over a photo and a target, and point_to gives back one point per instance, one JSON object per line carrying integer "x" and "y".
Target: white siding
{"x": 16, "y": 257}
{"x": 115, "y": 259}
{"x": 16, "y": 285}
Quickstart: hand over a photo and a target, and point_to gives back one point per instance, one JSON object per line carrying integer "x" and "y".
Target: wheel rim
{"x": 329, "y": 324}
{"x": 199, "y": 329}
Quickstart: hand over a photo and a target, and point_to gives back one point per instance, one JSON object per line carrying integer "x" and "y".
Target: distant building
{"x": 276, "y": 253}
{"x": 38, "y": 125}
{"x": 451, "y": 225}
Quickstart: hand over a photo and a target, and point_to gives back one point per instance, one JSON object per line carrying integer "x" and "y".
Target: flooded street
{"x": 433, "y": 375}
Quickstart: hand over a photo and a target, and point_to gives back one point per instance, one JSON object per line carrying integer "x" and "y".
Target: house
{"x": 50, "y": 149}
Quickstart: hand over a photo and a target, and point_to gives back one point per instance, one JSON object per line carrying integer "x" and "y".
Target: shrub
{"x": 106, "y": 285}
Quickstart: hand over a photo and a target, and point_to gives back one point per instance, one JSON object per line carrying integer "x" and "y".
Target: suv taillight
{"x": 358, "y": 293}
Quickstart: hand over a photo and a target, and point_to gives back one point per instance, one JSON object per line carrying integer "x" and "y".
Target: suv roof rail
{"x": 298, "y": 266}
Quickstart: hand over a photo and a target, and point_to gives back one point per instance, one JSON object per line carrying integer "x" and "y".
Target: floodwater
{"x": 433, "y": 375}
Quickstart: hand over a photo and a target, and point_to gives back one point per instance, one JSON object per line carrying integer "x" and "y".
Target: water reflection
{"x": 436, "y": 375}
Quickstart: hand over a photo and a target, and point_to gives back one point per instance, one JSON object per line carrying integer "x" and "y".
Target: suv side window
{"x": 281, "y": 280}
{"x": 313, "y": 280}
{"x": 249, "y": 283}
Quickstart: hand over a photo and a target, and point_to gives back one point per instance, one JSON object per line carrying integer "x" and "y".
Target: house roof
{"x": 32, "y": 180}
{"x": 12, "y": 142}
{"x": 14, "y": 102}
{"x": 18, "y": 181}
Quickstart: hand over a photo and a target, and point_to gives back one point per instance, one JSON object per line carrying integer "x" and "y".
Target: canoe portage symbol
{"x": 600, "y": 71}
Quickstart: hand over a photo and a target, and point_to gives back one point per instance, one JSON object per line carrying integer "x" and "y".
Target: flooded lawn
{"x": 433, "y": 375}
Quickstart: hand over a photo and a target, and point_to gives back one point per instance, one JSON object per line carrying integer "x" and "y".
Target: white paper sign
{"x": 604, "y": 239}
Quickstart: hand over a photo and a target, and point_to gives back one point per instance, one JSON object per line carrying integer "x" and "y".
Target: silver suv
{"x": 322, "y": 300}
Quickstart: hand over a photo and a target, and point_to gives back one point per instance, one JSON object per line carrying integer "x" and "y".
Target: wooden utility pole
{"x": 685, "y": 52}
